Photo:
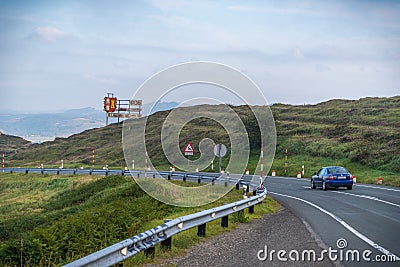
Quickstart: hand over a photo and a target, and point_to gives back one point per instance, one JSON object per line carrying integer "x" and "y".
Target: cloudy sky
{"x": 57, "y": 55}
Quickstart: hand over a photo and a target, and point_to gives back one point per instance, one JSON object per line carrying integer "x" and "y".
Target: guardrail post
{"x": 201, "y": 230}
{"x": 254, "y": 192}
{"x": 199, "y": 180}
{"x": 26, "y": 171}
{"x": 154, "y": 175}
{"x": 138, "y": 175}
{"x": 106, "y": 172}
{"x": 237, "y": 186}
{"x": 11, "y": 170}
{"x": 251, "y": 209}
{"x": 213, "y": 181}
{"x": 166, "y": 244}
{"x": 224, "y": 221}
{"x": 122, "y": 172}
{"x": 58, "y": 171}
{"x": 169, "y": 176}
{"x": 74, "y": 172}
{"x": 41, "y": 172}
{"x": 90, "y": 172}
{"x": 184, "y": 177}
{"x": 150, "y": 252}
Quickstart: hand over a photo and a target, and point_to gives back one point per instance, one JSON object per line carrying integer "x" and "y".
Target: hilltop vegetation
{"x": 362, "y": 134}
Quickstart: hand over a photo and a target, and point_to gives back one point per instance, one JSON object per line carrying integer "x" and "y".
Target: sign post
{"x": 188, "y": 150}
{"x": 220, "y": 151}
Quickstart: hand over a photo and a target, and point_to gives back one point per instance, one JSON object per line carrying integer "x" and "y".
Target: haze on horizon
{"x": 66, "y": 55}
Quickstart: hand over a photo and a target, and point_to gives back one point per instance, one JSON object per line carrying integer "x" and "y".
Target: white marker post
{"x": 146, "y": 167}
{"x": 262, "y": 165}
{"x": 2, "y": 161}
{"x": 92, "y": 158}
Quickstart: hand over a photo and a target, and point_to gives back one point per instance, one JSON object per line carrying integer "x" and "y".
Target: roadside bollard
{"x": 244, "y": 191}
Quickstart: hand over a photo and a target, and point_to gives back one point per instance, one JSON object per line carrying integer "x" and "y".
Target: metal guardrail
{"x": 194, "y": 176}
{"x": 131, "y": 246}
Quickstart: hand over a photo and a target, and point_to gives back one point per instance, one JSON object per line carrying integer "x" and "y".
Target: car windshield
{"x": 336, "y": 170}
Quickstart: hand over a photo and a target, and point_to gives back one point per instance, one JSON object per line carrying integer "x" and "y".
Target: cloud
{"x": 99, "y": 79}
{"x": 297, "y": 53}
{"x": 171, "y": 20}
{"x": 49, "y": 34}
{"x": 322, "y": 68}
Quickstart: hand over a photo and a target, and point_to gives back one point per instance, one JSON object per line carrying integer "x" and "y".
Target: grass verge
{"x": 49, "y": 220}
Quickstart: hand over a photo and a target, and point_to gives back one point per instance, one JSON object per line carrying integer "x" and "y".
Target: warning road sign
{"x": 188, "y": 149}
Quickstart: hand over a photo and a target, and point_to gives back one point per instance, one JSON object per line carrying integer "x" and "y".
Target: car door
{"x": 319, "y": 177}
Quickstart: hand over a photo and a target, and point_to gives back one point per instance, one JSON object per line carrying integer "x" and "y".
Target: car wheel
{"x": 324, "y": 185}
{"x": 313, "y": 185}
{"x": 349, "y": 187}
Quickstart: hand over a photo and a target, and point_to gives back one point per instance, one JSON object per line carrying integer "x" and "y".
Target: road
{"x": 367, "y": 217}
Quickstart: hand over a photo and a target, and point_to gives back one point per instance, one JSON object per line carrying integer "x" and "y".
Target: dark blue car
{"x": 332, "y": 177}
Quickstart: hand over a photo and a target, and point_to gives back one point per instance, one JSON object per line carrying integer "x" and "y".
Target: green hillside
{"x": 51, "y": 220}
{"x": 9, "y": 143}
{"x": 360, "y": 134}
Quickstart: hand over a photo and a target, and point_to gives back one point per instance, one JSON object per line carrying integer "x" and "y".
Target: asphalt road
{"x": 367, "y": 218}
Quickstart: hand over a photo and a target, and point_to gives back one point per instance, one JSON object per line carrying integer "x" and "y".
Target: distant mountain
{"x": 46, "y": 126}
{"x": 60, "y": 124}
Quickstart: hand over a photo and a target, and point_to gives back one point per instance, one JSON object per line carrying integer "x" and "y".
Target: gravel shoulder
{"x": 278, "y": 231}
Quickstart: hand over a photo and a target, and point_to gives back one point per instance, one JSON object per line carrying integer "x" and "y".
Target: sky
{"x": 57, "y": 55}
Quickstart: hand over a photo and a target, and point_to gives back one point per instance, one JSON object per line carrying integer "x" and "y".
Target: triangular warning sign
{"x": 188, "y": 149}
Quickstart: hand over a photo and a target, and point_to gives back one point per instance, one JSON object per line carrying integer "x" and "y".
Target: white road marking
{"x": 288, "y": 178}
{"x": 368, "y": 197}
{"x": 376, "y": 187}
{"x": 342, "y": 222}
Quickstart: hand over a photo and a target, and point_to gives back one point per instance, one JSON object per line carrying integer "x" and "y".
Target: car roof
{"x": 327, "y": 167}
